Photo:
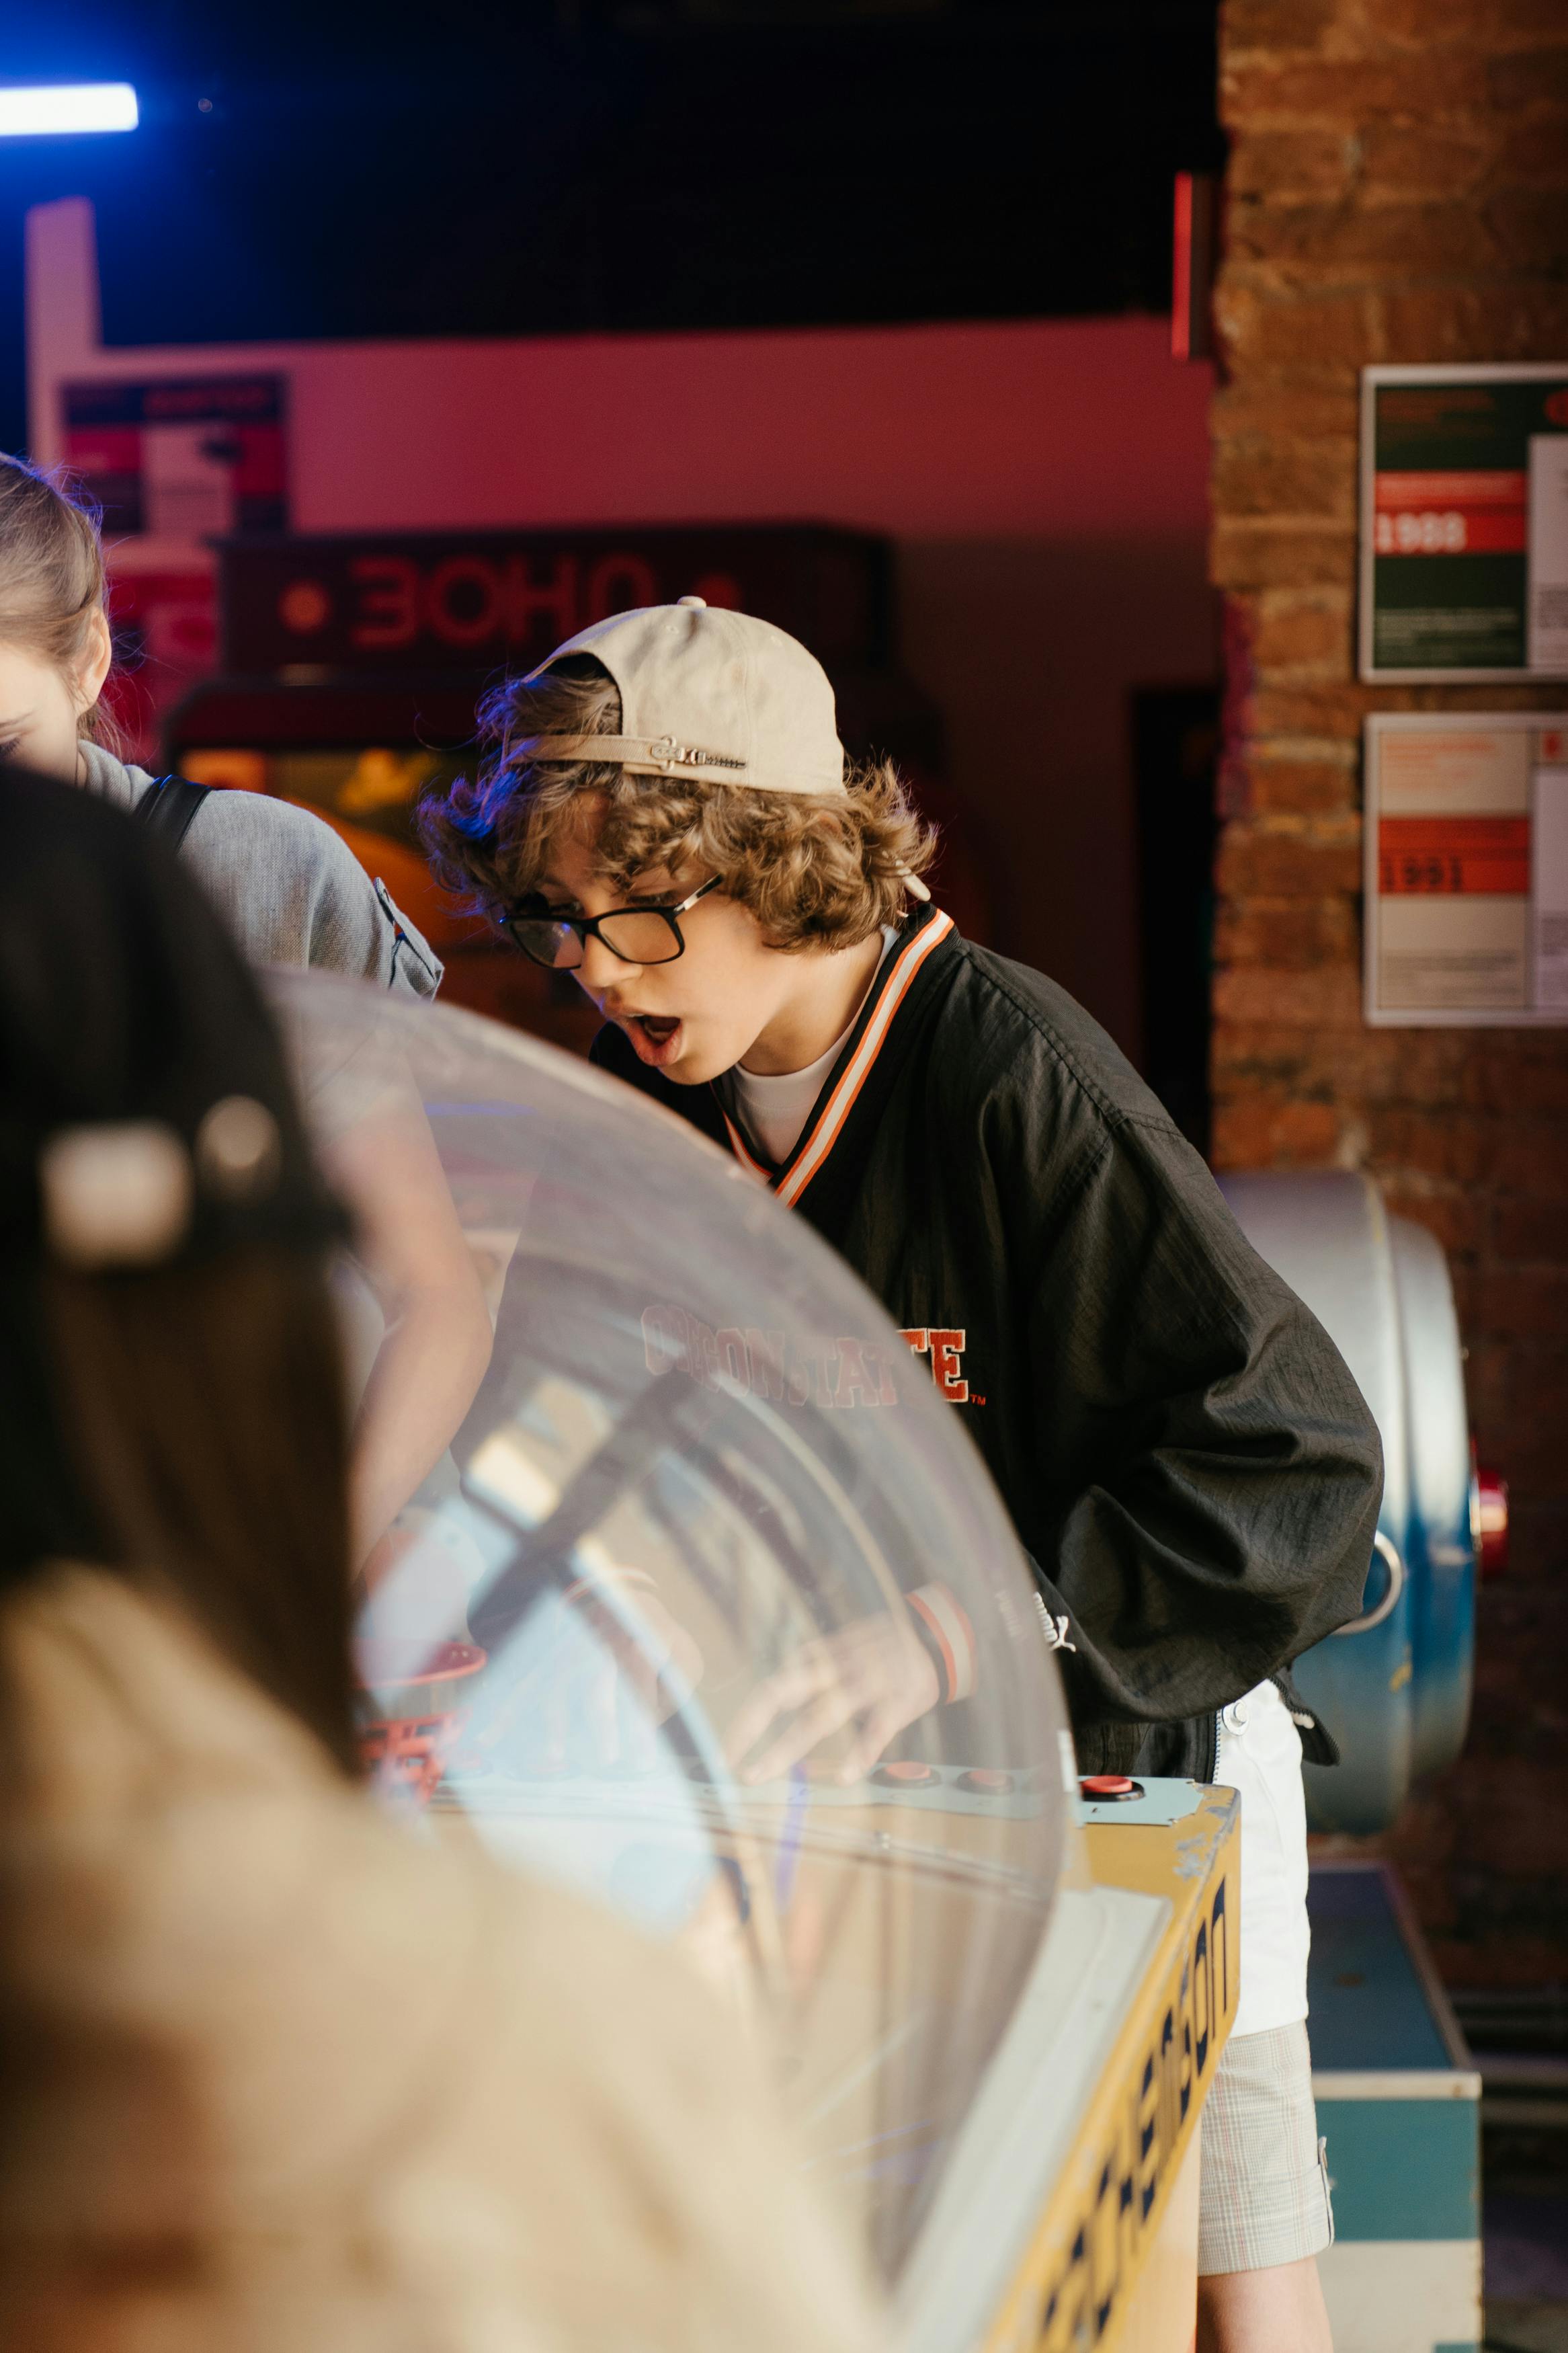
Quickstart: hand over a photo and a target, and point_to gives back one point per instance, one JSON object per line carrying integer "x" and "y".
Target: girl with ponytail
{"x": 288, "y": 887}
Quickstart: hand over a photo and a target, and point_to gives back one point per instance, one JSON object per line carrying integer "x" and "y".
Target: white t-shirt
{"x": 1260, "y": 1756}
{"x": 772, "y": 1111}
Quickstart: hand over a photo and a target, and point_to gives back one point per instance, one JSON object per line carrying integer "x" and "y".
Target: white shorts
{"x": 1263, "y": 2190}
{"x": 1260, "y": 1756}
{"x": 1263, "y": 2197}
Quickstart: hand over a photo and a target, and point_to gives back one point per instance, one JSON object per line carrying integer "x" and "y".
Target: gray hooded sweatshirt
{"x": 291, "y": 892}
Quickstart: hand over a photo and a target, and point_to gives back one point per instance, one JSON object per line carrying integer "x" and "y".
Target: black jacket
{"x": 1182, "y": 1450}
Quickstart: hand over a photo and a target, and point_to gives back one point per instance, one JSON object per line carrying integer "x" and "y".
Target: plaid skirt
{"x": 1263, "y": 2196}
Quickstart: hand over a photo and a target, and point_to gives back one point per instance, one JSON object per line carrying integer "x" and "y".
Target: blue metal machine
{"x": 1394, "y": 1687}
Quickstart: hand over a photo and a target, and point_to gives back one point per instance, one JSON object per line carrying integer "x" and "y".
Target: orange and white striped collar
{"x": 823, "y": 1130}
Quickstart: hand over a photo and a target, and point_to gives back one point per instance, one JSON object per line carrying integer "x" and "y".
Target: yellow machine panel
{"x": 1114, "y": 2258}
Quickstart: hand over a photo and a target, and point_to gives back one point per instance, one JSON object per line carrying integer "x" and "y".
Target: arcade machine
{"x": 350, "y": 668}
{"x": 649, "y": 1627}
{"x": 710, "y": 1609}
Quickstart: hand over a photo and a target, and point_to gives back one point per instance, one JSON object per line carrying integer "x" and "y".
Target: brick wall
{"x": 1397, "y": 191}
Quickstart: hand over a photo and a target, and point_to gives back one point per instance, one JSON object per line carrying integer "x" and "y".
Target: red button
{"x": 1108, "y": 1785}
{"x": 984, "y": 1782}
{"x": 904, "y": 1770}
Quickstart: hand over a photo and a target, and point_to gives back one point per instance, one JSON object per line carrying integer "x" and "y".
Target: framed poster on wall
{"x": 181, "y": 458}
{"x": 1466, "y": 868}
{"x": 1464, "y": 523}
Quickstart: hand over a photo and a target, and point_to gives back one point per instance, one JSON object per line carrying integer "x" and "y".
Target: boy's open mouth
{"x": 655, "y": 1035}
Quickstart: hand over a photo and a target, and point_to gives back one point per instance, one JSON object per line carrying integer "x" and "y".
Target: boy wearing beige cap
{"x": 665, "y": 811}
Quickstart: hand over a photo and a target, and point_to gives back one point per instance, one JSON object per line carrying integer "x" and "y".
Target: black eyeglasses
{"x": 635, "y": 935}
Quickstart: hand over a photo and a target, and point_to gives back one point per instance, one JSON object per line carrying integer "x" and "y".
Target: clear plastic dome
{"x": 704, "y": 1604}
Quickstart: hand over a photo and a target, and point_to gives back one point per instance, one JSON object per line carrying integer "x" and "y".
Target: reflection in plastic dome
{"x": 708, "y": 1608}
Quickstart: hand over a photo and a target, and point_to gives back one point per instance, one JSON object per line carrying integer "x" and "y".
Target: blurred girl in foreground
{"x": 279, "y": 2075}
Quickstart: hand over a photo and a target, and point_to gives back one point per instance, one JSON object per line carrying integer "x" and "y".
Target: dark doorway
{"x": 1176, "y": 745}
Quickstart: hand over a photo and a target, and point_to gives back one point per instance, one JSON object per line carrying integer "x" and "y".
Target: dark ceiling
{"x": 616, "y": 164}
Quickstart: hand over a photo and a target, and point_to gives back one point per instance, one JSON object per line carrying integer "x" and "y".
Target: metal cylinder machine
{"x": 1395, "y": 1685}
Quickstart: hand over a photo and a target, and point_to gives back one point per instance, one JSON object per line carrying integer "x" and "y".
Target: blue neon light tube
{"x": 41, "y": 108}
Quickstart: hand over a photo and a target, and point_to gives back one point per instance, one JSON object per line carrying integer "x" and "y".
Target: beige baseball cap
{"x": 711, "y": 694}
{"x": 714, "y": 694}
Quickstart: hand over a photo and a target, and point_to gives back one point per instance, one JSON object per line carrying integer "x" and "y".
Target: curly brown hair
{"x": 813, "y": 872}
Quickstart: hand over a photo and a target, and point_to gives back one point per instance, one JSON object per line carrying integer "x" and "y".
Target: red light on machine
{"x": 1193, "y": 265}
{"x": 1489, "y": 1514}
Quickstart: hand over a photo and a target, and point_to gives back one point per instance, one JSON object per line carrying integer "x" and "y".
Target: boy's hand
{"x": 874, "y": 1675}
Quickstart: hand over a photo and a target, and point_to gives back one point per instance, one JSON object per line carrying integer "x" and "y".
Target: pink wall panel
{"x": 1070, "y": 428}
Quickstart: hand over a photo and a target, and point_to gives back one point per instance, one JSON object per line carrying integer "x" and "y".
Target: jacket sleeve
{"x": 1207, "y": 1475}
